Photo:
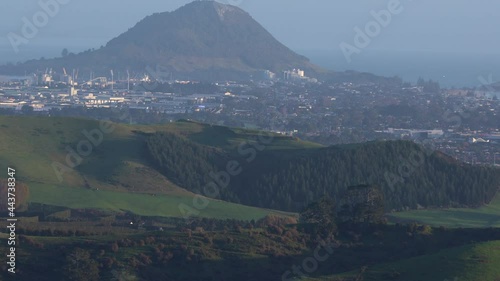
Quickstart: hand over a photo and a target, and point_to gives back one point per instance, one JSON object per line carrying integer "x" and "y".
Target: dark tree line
{"x": 291, "y": 179}
{"x": 186, "y": 163}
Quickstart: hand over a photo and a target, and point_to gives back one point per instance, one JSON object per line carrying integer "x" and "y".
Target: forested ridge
{"x": 408, "y": 175}
{"x": 186, "y": 163}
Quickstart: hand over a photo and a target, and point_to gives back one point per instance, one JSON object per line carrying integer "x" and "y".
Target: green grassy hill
{"x": 165, "y": 205}
{"x": 116, "y": 175}
{"x": 476, "y": 262}
{"x": 486, "y": 216}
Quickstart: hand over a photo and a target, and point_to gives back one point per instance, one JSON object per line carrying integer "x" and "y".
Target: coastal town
{"x": 462, "y": 123}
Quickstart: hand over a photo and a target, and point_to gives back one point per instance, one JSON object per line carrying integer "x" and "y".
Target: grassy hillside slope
{"x": 116, "y": 174}
{"x": 476, "y": 262}
{"x": 486, "y": 216}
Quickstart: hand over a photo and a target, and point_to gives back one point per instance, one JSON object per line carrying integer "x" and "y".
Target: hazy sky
{"x": 432, "y": 25}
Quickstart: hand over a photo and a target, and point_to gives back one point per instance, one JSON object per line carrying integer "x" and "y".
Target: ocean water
{"x": 28, "y": 52}
{"x": 449, "y": 69}
{"x": 5, "y": 78}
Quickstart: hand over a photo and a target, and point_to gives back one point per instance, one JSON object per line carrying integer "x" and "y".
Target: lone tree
{"x": 362, "y": 204}
{"x": 80, "y": 266}
{"x": 320, "y": 217}
{"x": 64, "y": 52}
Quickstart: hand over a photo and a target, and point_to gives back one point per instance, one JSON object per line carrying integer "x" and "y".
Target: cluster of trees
{"x": 320, "y": 217}
{"x": 184, "y": 162}
{"x": 56, "y": 232}
{"x": 80, "y": 266}
{"x": 360, "y": 206}
{"x": 408, "y": 176}
{"x": 209, "y": 224}
{"x": 222, "y": 255}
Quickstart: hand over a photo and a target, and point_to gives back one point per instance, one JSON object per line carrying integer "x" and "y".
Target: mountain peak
{"x": 222, "y": 10}
{"x": 203, "y": 40}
